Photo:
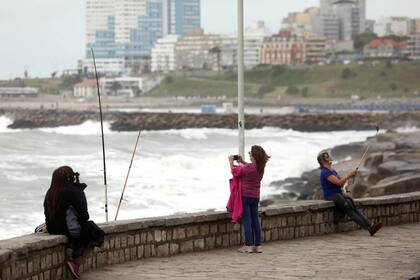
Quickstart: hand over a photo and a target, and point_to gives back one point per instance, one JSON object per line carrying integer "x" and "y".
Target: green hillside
{"x": 366, "y": 80}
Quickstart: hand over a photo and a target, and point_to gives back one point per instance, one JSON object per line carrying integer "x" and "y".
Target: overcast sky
{"x": 48, "y": 35}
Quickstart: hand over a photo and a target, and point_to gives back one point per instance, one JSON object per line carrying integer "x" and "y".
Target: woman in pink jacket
{"x": 251, "y": 174}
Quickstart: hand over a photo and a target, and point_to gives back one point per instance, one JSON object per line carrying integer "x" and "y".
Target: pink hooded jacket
{"x": 234, "y": 205}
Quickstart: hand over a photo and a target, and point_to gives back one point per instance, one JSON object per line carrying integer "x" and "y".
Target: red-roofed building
{"x": 86, "y": 88}
{"x": 385, "y": 48}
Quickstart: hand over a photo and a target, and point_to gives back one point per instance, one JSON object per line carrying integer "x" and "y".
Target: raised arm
{"x": 340, "y": 182}
{"x": 230, "y": 159}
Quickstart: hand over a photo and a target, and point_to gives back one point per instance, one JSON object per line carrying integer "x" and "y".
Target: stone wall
{"x": 42, "y": 257}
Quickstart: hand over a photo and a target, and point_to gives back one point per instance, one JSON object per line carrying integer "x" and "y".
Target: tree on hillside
{"x": 397, "y": 38}
{"x": 115, "y": 86}
{"x": 264, "y": 89}
{"x": 292, "y": 90}
{"x": 362, "y": 39}
{"x": 277, "y": 70}
{"x": 216, "y": 51}
{"x": 347, "y": 73}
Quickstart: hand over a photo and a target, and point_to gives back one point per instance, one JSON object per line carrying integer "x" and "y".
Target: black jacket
{"x": 72, "y": 195}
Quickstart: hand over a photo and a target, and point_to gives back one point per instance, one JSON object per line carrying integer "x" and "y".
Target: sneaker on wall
{"x": 74, "y": 269}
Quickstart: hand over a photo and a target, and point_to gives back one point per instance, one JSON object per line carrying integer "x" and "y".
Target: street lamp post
{"x": 241, "y": 117}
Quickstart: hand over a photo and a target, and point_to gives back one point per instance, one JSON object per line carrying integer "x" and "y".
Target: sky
{"x": 44, "y": 36}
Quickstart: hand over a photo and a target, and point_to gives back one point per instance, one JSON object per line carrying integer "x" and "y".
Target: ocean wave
{"x": 86, "y": 128}
{"x": 4, "y": 123}
{"x": 407, "y": 129}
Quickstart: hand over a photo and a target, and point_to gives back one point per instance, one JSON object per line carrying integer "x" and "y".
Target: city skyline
{"x": 49, "y": 35}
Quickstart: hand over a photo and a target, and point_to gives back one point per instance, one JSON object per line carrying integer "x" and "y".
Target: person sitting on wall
{"x": 66, "y": 212}
{"x": 332, "y": 187}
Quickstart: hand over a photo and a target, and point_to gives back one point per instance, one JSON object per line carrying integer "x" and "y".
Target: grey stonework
{"x": 42, "y": 256}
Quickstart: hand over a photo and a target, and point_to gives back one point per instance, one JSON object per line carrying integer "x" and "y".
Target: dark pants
{"x": 252, "y": 226}
{"x": 345, "y": 205}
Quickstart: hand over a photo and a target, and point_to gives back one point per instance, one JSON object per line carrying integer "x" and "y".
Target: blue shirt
{"x": 328, "y": 187}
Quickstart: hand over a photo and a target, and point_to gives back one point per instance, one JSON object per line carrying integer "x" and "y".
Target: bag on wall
{"x": 72, "y": 221}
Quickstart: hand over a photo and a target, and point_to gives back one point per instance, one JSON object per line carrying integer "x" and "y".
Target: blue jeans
{"x": 252, "y": 226}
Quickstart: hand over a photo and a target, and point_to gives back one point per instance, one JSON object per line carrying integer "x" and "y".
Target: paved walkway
{"x": 394, "y": 253}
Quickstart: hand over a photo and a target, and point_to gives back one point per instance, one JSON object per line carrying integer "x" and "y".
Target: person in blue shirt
{"x": 332, "y": 186}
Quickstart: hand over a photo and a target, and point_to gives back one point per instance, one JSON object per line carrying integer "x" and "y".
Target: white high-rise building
{"x": 97, "y": 17}
{"x": 350, "y": 18}
{"x": 400, "y": 26}
{"x": 254, "y": 37}
{"x": 100, "y": 26}
{"x": 128, "y": 29}
{"x": 180, "y": 15}
{"x": 127, "y": 13}
{"x": 163, "y": 54}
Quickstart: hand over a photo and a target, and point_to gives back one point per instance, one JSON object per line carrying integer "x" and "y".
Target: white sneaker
{"x": 245, "y": 249}
{"x": 258, "y": 249}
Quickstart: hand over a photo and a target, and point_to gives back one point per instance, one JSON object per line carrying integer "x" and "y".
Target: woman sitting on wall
{"x": 66, "y": 212}
{"x": 332, "y": 186}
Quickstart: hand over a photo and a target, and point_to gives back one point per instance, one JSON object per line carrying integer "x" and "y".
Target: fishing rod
{"x": 102, "y": 132}
{"x": 128, "y": 173}
{"x": 365, "y": 153}
{"x": 367, "y": 149}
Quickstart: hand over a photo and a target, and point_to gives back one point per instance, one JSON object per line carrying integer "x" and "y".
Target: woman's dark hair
{"x": 321, "y": 158}
{"x": 61, "y": 178}
{"x": 260, "y": 157}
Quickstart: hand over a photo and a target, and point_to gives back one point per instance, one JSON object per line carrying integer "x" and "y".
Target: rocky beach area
{"x": 391, "y": 166}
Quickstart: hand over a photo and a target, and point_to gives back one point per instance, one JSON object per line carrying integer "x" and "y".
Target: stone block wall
{"x": 42, "y": 256}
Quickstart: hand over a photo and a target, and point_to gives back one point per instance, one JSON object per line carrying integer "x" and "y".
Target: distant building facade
{"x": 197, "y": 51}
{"x": 413, "y": 48}
{"x": 385, "y": 48}
{"x": 414, "y": 26}
{"x": 128, "y": 29}
{"x": 85, "y": 89}
{"x": 339, "y": 46}
{"x": 400, "y": 26}
{"x": 348, "y": 17}
{"x": 326, "y": 25}
{"x": 128, "y": 86}
{"x": 194, "y": 51}
{"x": 315, "y": 49}
{"x": 253, "y": 39}
{"x": 299, "y": 22}
{"x": 180, "y": 15}
{"x": 14, "y": 92}
{"x": 163, "y": 54}
{"x": 283, "y": 48}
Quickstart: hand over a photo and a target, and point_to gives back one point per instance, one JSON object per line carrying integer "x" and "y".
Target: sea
{"x": 173, "y": 171}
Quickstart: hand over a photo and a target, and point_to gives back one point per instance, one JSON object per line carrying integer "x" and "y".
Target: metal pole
{"x": 102, "y": 132}
{"x": 241, "y": 117}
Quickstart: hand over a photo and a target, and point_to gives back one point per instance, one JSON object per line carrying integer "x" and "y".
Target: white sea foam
{"x": 4, "y": 123}
{"x": 407, "y": 129}
{"x": 86, "y": 128}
